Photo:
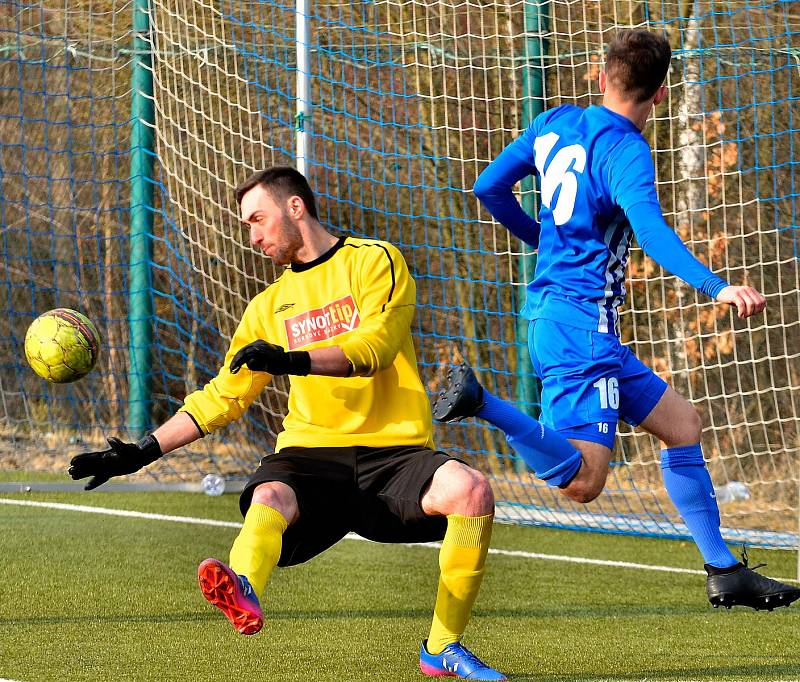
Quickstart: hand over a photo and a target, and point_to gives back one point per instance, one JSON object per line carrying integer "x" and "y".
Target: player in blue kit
{"x": 597, "y": 192}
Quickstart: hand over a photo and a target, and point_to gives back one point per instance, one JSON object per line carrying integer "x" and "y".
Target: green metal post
{"x": 532, "y": 105}
{"x": 140, "y": 301}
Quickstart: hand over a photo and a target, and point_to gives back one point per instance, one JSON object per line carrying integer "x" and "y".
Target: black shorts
{"x": 374, "y": 492}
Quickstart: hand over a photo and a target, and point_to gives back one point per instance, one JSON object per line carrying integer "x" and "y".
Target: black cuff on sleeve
{"x": 299, "y": 363}
{"x": 194, "y": 421}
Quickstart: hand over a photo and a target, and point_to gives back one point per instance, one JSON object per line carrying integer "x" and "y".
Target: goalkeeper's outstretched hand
{"x": 260, "y": 356}
{"x": 120, "y": 459}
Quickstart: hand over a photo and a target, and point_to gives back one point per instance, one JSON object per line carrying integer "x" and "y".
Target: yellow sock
{"x": 257, "y": 548}
{"x": 461, "y": 561}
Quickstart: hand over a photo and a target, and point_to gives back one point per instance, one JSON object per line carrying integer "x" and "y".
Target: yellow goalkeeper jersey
{"x": 359, "y": 296}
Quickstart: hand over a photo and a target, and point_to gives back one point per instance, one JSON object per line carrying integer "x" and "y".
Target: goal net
{"x": 409, "y": 101}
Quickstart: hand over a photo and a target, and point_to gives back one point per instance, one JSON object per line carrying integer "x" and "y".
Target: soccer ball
{"x": 62, "y": 345}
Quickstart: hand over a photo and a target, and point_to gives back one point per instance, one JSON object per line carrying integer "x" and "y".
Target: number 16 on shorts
{"x": 608, "y": 388}
{"x": 609, "y": 393}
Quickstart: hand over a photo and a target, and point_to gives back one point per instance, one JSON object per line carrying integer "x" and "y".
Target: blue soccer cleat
{"x": 456, "y": 661}
{"x": 231, "y": 594}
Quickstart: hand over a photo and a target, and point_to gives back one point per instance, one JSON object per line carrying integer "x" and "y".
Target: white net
{"x": 409, "y": 102}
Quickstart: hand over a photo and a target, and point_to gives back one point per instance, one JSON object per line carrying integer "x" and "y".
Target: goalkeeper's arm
{"x": 122, "y": 458}
{"x": 180, "y": 429}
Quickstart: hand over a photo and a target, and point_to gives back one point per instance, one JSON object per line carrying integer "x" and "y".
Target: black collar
{"x": 302, "y": 267}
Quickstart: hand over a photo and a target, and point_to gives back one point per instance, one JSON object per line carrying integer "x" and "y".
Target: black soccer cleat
{"x": 744, "y": 587}
{"x": 462, "y": 398}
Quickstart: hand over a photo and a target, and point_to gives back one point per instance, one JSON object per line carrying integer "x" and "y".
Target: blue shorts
{"x": 590, "y": 381}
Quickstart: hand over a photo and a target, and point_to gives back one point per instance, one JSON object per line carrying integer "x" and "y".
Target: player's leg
{"x": 549, "y": 454}
{"x": 570, "y": 446}
{"x": 287, "y": 520}
{"x": 235, "y": 588}
{"x": 465, "y": 498}
{"x": 579, "y": 467}
{"x": 257, "y": 548}
{"x": 677, "y": 425}
{"x": 590, "y": 480}
{"x": 551, "y": 457}
{"x": 647, "y": 401}
{"x": 421, "y": 495}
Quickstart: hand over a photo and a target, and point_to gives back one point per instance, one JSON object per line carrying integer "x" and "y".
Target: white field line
{"x": 119, "y": 512}
{"x": 351, "y": 536}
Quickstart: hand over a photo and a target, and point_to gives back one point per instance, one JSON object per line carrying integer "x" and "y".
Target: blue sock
{"x": 505, "y": 416}
{"x": 551, "y": 456}
{"x": 689, "y": 486}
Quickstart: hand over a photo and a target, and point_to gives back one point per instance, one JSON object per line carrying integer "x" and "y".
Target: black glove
{"x": 120, "y": 459}
{"x": 260, "y": 356}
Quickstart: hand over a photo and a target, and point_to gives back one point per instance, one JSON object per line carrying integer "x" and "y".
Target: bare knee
{"x": 472, "y": 495}
{"x": 674, "y": 421}
{"x": 458, "y": 489}
{"x": 591, "y": 477}
{"x": 478, "y": 496}
{"x": 582, "y": 492}
{"x": 280, "y": 497}
{"x": 694, "y": 427}
{"x": 688, "y": 429}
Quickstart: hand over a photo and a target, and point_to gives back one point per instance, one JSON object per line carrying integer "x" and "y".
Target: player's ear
{"x": 295, "y": 207}
{"x": 661, "y": 93}
{"x": 602, "y": 80}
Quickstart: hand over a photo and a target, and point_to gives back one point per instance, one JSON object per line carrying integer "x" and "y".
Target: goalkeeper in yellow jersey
{"x": 356, "y": 453}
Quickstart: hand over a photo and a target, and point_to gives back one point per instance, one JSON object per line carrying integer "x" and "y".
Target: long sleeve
{"x": 631, "y": 178}
{"x": 493, "y": 188}
{"x": 386, "y": 299}
{"x": 227, "y": 396}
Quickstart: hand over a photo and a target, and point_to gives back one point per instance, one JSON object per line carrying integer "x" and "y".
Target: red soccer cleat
{"x": 232, "y": 594}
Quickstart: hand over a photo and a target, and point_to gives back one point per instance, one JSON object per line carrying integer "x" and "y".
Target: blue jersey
{"x": 597, "y": 184}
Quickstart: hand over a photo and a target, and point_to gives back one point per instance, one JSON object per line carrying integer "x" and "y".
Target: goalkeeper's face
{"x": 272, "y": 228}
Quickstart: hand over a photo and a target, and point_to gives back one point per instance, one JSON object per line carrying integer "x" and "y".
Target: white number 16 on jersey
{"x": 561, "y": 172}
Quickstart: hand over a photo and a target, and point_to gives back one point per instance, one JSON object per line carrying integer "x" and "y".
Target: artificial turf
{"x": 94, "y": 597}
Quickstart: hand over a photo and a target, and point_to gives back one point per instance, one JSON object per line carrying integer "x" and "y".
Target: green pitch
{"x": 90, "y": 597}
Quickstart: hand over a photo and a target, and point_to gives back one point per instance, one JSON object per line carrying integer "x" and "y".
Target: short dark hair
{"x": 637, "y": 63}
{"x": 281, "y": 182}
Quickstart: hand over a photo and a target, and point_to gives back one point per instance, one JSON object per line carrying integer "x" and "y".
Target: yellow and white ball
{"x": 62, "y": 345}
